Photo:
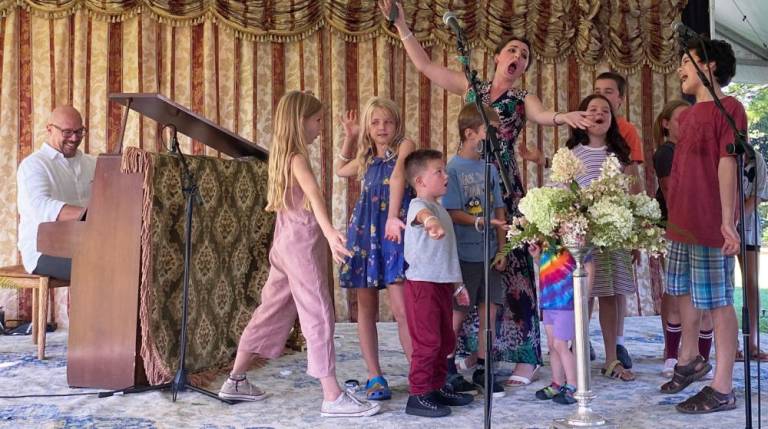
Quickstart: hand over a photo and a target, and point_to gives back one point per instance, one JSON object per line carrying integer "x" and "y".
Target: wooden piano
{"x": 104, "y": 335}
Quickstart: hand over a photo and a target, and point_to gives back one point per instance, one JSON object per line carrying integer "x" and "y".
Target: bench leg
{"x": 35, "y": 309}
{"x": 42, "y": 318}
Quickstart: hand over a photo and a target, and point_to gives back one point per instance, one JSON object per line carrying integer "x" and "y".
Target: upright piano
{"x": 104, "y": 333}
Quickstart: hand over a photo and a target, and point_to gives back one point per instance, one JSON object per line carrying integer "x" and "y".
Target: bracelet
{"x": 429, "y": 218}
{"x": 344, "y": 158}
{"x": 407, "y": 36}
{"x": 477, "y": 226}
{"x": 458, "y": 290}
{"x": 554, "y": 119}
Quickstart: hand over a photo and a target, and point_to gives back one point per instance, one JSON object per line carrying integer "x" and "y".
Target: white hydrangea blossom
{"x": 565, "y": 166}
{"x": 540, "y": 205}
{"x": 612, "y": 223}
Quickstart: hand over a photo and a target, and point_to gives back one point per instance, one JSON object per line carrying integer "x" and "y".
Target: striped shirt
{"x": 592, "y": 158}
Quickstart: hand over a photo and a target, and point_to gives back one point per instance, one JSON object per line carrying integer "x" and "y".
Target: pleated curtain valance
{"x": 626, "y": 34}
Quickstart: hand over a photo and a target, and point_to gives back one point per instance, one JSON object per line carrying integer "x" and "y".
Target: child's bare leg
{"x": 397, "y": 305}
{"x": 608, "y": 316}
{"x": 367, "y": 311}
{"x": 558, "y": 375}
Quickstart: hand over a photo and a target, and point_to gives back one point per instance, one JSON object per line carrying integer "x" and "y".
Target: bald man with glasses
{"x": 54, "y": 184}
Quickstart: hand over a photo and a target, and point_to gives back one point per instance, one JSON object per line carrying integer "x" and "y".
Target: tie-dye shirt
{"x": 556, "y": 280}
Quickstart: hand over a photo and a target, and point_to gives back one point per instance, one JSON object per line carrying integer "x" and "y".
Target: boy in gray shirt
{"x": 432, "y": 275}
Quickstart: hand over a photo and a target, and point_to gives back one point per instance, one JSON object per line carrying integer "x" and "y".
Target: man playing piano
{"x": 54, "y": 184}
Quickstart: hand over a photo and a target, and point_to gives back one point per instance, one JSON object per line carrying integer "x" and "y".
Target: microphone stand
{"x": 491, "y": 151}
{"x": 738, "y": 148}
{"x": 192, "y": 197}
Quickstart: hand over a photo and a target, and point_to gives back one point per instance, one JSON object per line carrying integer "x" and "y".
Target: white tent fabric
{"x": 749, "y": 37}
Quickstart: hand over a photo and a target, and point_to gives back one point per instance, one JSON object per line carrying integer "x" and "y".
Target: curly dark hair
{"x": 613, "y": 139}
{"x": 719, "y": 52}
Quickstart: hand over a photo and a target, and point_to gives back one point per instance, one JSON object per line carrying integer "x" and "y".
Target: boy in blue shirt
{"x": 464, "y": 201}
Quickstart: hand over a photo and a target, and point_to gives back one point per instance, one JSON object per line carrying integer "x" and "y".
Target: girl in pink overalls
{"x": 297, "y": 283}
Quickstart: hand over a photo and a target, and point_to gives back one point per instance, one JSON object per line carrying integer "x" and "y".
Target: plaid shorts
{"x": 702, "y": 272}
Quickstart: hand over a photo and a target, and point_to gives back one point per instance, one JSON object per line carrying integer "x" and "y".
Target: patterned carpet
{"x": 295, "y": 397}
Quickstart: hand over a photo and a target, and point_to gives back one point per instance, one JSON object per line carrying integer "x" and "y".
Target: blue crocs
{"x": 377, "y": 389}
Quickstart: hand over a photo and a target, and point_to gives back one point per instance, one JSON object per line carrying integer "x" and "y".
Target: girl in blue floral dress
{"x": 374, "y": 232}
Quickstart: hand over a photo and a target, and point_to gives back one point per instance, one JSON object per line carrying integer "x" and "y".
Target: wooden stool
{"x": 16, "y": 277}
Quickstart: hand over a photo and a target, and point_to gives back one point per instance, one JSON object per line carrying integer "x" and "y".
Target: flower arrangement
{"x": 603, "y": 214}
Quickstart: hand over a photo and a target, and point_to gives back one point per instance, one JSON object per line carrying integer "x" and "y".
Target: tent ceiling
{"x": 748, "y": 42}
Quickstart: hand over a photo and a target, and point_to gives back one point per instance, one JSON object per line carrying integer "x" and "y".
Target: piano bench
{"x": 15, "y": 277}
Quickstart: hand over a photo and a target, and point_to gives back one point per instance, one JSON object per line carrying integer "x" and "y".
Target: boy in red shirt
{"x": 702, "y": 227}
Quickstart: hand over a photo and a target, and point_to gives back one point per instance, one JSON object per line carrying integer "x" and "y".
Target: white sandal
{"x": 520, "y": 380}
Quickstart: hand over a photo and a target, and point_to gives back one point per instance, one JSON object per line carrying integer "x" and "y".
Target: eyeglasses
{"x": 68, "y": 133}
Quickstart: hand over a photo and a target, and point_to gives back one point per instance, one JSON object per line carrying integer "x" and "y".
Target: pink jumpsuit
{"x": 297, "y": 284}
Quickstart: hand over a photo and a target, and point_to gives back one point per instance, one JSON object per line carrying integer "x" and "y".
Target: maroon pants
{"x": 428, "y": 310}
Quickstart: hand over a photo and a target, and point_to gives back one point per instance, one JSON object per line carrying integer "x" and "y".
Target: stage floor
{"x": 294, "y": 400}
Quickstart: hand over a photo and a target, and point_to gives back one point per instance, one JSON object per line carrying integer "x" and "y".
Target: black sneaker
{"x": 622, "y": 354}
{"x": 460, "y": 385}
{"x": 426, "y": 406}
{"x": 592, "y": 354}
{"x": 446, "y": 396}
{"x": 565, "y": 395}
{"x": 478, "y": 377}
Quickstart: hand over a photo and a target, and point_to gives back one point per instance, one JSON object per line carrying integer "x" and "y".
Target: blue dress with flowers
{"x": 376, "y": 261}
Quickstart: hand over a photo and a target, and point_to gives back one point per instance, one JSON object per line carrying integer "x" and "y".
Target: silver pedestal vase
{"x": 584, "y": 417}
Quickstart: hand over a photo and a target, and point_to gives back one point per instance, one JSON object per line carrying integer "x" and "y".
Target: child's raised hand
{"x": 338, "y": 243}
{"x": 351, "y": 124}
{"x": 532, "y": 155}
{"x": 535, "y": 250}
{"x": 434, "y": 228}
{"x": 500, "y": 261}
{"x": 393, "y": 228}
{"x": 499, "y": 222}
{"x": 462, "y": 296}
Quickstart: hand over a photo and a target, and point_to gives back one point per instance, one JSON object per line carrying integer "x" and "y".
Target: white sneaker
{"x": 347, "y": 405}
{"x": 669, "y": 367}
{"x": 241, "y": 390}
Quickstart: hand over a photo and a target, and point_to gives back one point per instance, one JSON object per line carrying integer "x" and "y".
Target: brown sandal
{"x": 686, "y": 374}
{"x": 616, "y": 370}
{"x": 708, "y": 401}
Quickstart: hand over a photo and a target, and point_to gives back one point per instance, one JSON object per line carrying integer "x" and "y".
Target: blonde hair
{"x": 366, "y": 148}
{"x": 288, "y": 139}
{"x": 659, "y": 132}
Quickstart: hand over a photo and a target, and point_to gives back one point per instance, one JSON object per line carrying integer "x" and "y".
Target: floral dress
{"x": 376, "y": 261}
{"x": 517, "y": 326}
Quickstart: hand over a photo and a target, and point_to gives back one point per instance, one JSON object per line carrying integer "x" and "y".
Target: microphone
{"x": 684, "y": 32}
{"x": 451, "y": 22}
{"x": 392, "y": 13}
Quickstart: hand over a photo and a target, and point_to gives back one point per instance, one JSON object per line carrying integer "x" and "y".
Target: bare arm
{"x": 431, "y": 223}
{"x": 349, "y": 168}
{"x": 70, "y": 212}
{"x": 535, "y": 111}
{"x": 452, "y": 81}
{"x": 396, "y": 191}
{"x": 306, "y": 180}
{"x": 726, "y": 174}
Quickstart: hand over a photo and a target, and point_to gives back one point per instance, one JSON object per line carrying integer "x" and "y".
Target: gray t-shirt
{"x": 430, "y": 260}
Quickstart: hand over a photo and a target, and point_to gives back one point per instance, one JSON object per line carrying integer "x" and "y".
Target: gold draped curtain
{"x": 626, "y": 34}
{"x": 230, "y": 62}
